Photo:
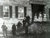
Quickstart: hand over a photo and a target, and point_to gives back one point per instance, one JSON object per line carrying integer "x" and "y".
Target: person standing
{"x": 26, "y": 28}
{"x": 4, "y": 29}
{"x": 19, "y": 24}
{"x": 13, "y": 29}
{"x": 28, "y": 19}
{"x": 24, "y": 22}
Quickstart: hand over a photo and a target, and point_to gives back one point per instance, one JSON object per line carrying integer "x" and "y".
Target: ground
{"x": 25, "y": 36}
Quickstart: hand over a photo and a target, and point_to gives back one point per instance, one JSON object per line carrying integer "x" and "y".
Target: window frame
{"x": 7, "y": 11}
{"x": 21, "y": 12}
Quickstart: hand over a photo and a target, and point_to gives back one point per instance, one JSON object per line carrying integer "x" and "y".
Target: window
{"x": 21, "y": 12}
{"x": 6, "y": 11}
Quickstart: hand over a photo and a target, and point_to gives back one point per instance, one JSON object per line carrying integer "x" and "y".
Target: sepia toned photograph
{"x": 24, "y": 18}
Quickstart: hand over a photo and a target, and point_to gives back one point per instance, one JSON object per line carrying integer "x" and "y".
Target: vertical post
{"x": 32, "y": 13}
{"x": 1, "y": 11}
{"x": 10, "y": 7}
{"x": 16, "y": 11}
{"x": 25, "y": 11}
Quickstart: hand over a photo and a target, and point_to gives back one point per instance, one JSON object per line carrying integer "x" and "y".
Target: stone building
{"x": 47, "y": 8}
{"x": 42, "y": 6}
{"x": 12, "y": 11}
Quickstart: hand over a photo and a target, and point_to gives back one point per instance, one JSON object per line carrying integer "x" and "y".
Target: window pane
{"x": 25, "y": 11}
{"x": 6, "y": 14}
{"x": 5, "y": 11}
{"x": 21, "y": 12}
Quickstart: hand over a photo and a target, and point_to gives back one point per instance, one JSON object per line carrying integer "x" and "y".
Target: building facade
{"x": 47, "y": 11}
{"x": 12, "y": 11}
{"x": 44, "y": 7}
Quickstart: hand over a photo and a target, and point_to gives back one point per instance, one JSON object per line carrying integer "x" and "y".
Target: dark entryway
{"x": 36, "y": 9}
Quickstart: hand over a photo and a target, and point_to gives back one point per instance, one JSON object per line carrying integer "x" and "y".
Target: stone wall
{"x": 29, "y": 11}
{"x": 47, "y": 7}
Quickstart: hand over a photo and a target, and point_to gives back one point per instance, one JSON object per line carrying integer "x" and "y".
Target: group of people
{"x": 14, "y": 27}
{"x": 25, "y": 25}
{"x": 4, "y": 28}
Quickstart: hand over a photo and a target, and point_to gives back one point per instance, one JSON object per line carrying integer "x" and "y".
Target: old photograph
{"x": 24, "y": 18}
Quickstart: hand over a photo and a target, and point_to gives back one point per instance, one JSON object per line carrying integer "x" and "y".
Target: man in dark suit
{"x": 24, "y": 22}
{"x": 13, "y": 29}
{"x": 28, "y": 19}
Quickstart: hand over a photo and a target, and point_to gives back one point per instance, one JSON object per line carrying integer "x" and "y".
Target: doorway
{"x": 36, "y": 9}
